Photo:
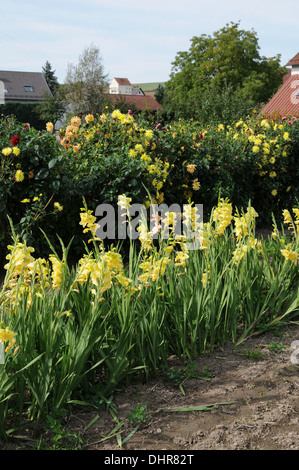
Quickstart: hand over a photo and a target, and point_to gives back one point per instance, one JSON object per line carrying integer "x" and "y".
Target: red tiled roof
{"x": 294, "y": 60}
{"x": 285, "y": 102}
{"x": 287, "y": 74}
{"x": 142, "y": 102}
{"x": 123, "y": 81}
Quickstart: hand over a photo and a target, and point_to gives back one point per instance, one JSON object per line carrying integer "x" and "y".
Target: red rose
{"x": 15, "y": 140}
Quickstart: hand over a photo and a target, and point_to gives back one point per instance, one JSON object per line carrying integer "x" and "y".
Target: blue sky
{"x": 137, "y": 39}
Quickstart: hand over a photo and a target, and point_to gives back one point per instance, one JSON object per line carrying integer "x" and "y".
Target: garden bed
{"x": 258, "y": 381}
{"x": 121, "y": 338}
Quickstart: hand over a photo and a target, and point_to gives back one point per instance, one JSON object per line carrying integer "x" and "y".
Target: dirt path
{"x": 258, "y": 377}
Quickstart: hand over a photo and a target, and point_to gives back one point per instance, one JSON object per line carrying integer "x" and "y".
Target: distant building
{"x": 285, "y": 102}
{"x": 122, "y": 86}
{"x": 23, "y": 86}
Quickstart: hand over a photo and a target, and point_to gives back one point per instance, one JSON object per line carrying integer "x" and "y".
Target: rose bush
{"x": 27, "y": 185}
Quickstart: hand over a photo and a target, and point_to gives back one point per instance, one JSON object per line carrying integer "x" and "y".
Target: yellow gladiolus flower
{"x": 204, "y": 279}
{"x": 124, "y": 201}
{"x": 222, "y": 216}
{"x": 7, "y": 335}
{"x": 123, "y": 280}
{"x": 289, "y": 254}
{"x": 57, "y": 271}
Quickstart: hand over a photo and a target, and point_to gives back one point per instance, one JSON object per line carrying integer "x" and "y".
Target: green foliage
{"x": 275, "y": 347}
{"x": 75, "y": 340}
{"x": 30, "y": 152}
{"x": 253, "y": 354}
{"x": 24, "y": 112}
{"x": 251, "y": 159}
{"x": 228, "y": 58}
{"x": 224, "y": 104}
{"x": 139, "y": 415}
{"x": 53, "y": 108}
{"x": 160, "y": 93}
{"x": 178, "y": 377}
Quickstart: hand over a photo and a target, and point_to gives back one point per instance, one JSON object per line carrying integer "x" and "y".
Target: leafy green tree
{"x": 85, "y": 82}
{"x": 50, "y": 77}
{"x": 228, "y": 58}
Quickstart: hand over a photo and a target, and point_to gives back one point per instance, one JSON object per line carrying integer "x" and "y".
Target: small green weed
{"x": 252, "y": 354}
{"x": 276, "y": 347}
{"x": 139, "y": 415}
{"x": 58, "y": 437}
{"x": 178, "y": 377}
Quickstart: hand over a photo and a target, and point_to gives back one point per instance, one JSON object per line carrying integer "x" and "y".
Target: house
{"x": 121, "y": 91}
{"x": 285, "y": 102}
{"x": 122, "y": 86}
{"x": 23, "y": 86}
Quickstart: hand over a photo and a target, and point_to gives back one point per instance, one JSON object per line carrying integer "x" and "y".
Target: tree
{"x": 228, "y": 58}
{"x": 85, "y": 82}
{"x": 53, "y": 108}
{"x": 223, "y": 104}
{"x": 160, "y": 93}
{"x": 50, "y": 77}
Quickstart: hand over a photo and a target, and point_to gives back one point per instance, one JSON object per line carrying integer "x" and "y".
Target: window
{"x": 28, "y": 88}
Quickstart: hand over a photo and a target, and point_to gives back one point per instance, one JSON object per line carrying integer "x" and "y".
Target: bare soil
{"x": 258, "y": 379}
{"x": 255, "y": 387}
